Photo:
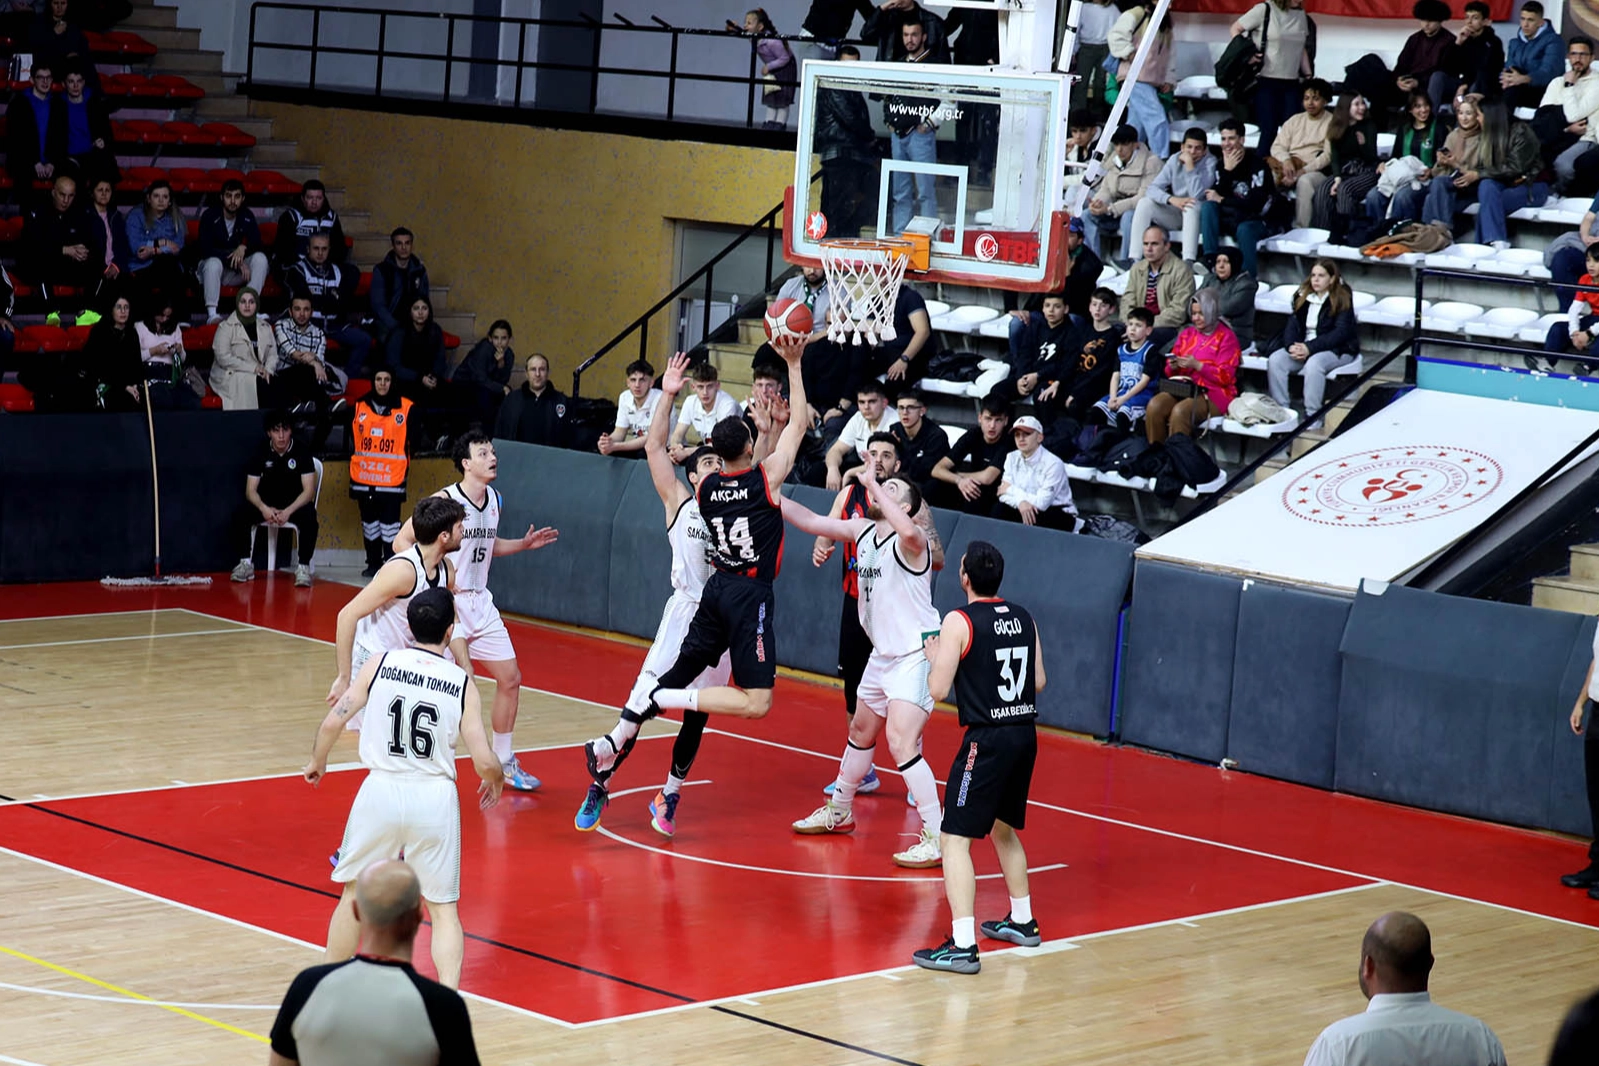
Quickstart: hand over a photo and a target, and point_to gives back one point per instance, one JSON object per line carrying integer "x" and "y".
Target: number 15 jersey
{"x": 745, "y": 522}
{"x": 471, "y": 560}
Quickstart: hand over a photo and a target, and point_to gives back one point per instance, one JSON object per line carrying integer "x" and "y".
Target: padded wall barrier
{"x": 1074, "y": 586}
{"x": 1451, "y": 704}
{"x": 1286, "y": 674}
{"x": 75, "y": 493}
{"x": 809, "y": 597}
{"x": 641, "y": 557}
{"x": 1177, "y": 687}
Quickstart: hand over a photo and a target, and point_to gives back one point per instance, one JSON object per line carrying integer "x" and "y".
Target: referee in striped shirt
{"x": 374, "y": 1009}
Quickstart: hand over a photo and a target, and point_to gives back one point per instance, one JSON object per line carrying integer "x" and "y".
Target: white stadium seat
{"x": 1297, "y": 241}
{"x": 1535, "y": 332}
{"x": 1280, "y": 299}
{"x": 964, "y": 319}
{"x": 936, "y": 308}
{"x": 1502, "y": 323}
{"x": 1459, "y": 256}
{"x": 1450, "y": 316}
{"x": 996, "y": 327}
{"x": 1392, "y": 311}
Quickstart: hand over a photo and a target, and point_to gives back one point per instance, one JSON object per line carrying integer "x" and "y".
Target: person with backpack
{"x": 1285, "y": 35}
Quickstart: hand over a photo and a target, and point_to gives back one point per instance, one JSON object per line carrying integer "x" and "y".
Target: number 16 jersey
{"x": 479, "y": 529}
{"x": 745, "y": 523}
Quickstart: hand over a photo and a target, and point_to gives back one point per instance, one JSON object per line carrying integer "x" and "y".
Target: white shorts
{"x": 888, "y": 678}
{"x": 669, "y": 637}
{"x": 419, "y": 814}
{"x": 478, "y": 622}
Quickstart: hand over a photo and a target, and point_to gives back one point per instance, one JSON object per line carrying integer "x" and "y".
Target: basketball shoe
{"x": 949, "y": 958}
{"x": 1023, "y": 933}
{"x": 922, "y": 854}
{"x": 663, "y": 813}
{"x": 828, "y": 818}
{"x": 519, "y": 778}
{"x": 588, "y": 815}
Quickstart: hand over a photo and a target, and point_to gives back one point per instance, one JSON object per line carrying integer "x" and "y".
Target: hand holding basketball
{"x": 792, "y": 349}
{"x": 676, "y": 371}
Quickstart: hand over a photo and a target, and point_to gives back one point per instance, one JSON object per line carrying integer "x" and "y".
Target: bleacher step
{"x": 230, "y": 109}
{"x": 1572, "y": 594}
{"x": 167, "y": 39}
{"x": 150, "y": 17}
{"x": 752, "y": 331}
{"x": 187, "y": 61}
{"x": 732, "y": 362}
{"x": 214, "y": 84}
{"x": 1585, "y": 562}
{"x": 274, "y": 154}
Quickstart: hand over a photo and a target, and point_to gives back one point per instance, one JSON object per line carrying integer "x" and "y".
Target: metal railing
{"x": 453, "y": 27}
{"x": 705, "y": 276}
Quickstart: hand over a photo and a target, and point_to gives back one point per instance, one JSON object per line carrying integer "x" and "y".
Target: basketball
{"x": 788, "y": 318}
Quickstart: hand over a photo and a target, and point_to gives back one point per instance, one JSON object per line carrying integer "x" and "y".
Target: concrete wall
{"x": 568, "y": 235}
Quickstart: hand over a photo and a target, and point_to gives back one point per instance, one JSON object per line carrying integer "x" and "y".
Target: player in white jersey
{"x": 481, "y": 630}
{"x": 895, "y": 568}
{"x": 408, "y": 803}
{"x": 691, "y": 567}
{"x": 374, "y": 621}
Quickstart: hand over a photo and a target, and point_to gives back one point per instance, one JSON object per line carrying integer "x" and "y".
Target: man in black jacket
{"x": 848, "y": 146}
{"x": 829, "y": 20}
{"x": 1477, "y": 56}
{"x": 59, "y": 243}
{"x": 229, "y": 248}
{"x": 397, "y": 283}
{"x": 887, "y": 22}
{"x": 538, "y": 412}
{"x": 1239, "y": 200}
{"x": 36, "y": 133}
{"x": 331, "y": 290}
{"x": 313, "y": 214}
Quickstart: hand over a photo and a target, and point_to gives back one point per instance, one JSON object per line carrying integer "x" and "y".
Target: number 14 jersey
{"x": 478, "y": 531}
{"x": 745, "y": 523}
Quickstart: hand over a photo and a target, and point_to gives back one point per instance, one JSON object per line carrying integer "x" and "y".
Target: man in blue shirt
{"x": 36, "y": 132}
{"x": 1534, "y": 57}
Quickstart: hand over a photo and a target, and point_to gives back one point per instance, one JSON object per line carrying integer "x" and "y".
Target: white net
{"x": 863, "y": 279}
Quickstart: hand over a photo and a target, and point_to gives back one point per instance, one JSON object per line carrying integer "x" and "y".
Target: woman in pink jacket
{"x": 1206, "y": 355}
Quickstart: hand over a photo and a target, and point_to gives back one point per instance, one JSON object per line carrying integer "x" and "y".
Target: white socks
{"x": 674, "y": 785}
{"x": 852, "y": 770}
{"x": 919, "y": 778}
{"x": 623, "y": 732}
{"x": 1021, "y": 910}
{"x": 502, "y": 748}
{"x": 965, "y": 930}
{"x": 677, "y": 699}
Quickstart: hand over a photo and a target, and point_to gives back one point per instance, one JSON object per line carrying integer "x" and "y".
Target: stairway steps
{"x": 150, "y": 16}
{"x": 1585, "y": 562}
{"x": 188, "y": 62}
{"x": 1574, "y": 595}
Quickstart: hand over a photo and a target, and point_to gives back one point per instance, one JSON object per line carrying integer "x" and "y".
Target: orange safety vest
{"x": 379, "y": 460}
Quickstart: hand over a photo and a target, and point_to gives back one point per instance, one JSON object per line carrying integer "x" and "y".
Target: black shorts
{"x": 854, "y": 648}
{"x": 735, "y": 615}
{"x": 992, "y": 772}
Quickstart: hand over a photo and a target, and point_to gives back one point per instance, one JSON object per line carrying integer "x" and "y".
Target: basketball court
{"x": 167, "y": 873}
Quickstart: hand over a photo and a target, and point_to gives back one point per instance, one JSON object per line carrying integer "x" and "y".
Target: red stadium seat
{"x": 15, "y": 399}
{"x": 11, "y": 229}
{"x": 46, "y": 338}
{"x": 191, "y": 230}
{"x": 222, "y": 174}
{"x": 228, "y": 135}
{"x": 270, "y": 183}
{"x": 128, "y": 44}
{"x": 198, "y": 338}
{"x": 357, "y": 388}
{"x": 212, "y": 401}
{"x": 23, "y": 290}
{"x": 134, "y": 179}
{"x": 364, "y": 286}
{"x": 77, "y": 337}
{"x": 174, "y": 87}
{"x": 193, "y": 180}
{"x": 5, "y": 180}
{"x": 451, "y": 341}
{"x": 269, "y": 233}
{"x": 189, "y": 134}
{"x": 143, "y": 131}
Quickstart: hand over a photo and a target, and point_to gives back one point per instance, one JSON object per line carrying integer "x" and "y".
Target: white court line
{"x": 136, "y": 1002}
{"x": 19, "y": 1062}
{"x": 101, "y": 614}
{"x": 136, "y": 636}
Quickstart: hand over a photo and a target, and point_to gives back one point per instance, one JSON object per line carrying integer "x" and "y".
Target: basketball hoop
{"x": 863, "y": 279}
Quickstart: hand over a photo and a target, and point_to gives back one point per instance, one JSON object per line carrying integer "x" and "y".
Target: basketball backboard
{"x": 972, "y": 155}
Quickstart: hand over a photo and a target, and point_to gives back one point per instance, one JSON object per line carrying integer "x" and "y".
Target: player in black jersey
{"x": 742, "y": 513}
{"x": 990, "y": 654}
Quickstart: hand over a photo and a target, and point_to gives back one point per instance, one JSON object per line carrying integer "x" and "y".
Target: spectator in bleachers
{"x": 1287, "y": 30}
{"x": 843, "y": 136}
{"x": 1206, "y": 354}
{"x": 160, "y": 336}
{"x": 635, "y": 408}
{"x": 912, "y": 123}
{"x": 1145, "y": 109}
{"x": 849, "y": 450}
{"x": 830, "y": 20}
{"x": 1402, "y": 1026}
{"x": 301, "y": 379}
{"x": 886, "y": 26}
{"x": 1420, "y": 135}
{"x": 1477, "y": 56}
{"x": 1172, "y": 199}
{"x": 975, "y": 35}
{"x": 1033, "y": 488}
{"x": 1133, "y": 383}
{"x": 831, "y": 372}
{"x": 1082, "y": 125}
{"x": 1577, "y": 1042}
{"x": 484, "y": 376}
{"x": 155, "y": 234}
{"x": 1353, "y": 141}
{"x": 1565, "y": 256}
{"x": 36, "y": 133}
{"x": 1093, "y": 48}
{"x": 538, "y": 412}
{"x": 1235, "y": 290}
{"x": 1237, "y": 203}
{"x": 89, "y": 136}
{"x": 1320, "y": 336}
{"x": 967, "y": 478}
{"x": 1455, "y": 168}
{"x": 244, "y": 354}
{"x": 397, "y": 283}
{"x": 1161, "y": 282}
{"x": 1575, "y": 128}
{"x": 808, "y": 287}
{"x": 109, "y": 232}
{"x": 1040, "y": 342}
{"x": 1129, "y": 172}
{"x": 313, "y": 214}
{"x": 779, "y": 70}
{"x": 58, "y": 243}
{"x": 415, "y": 355}
{"x": 922, "y": 441}
{"x": 700, "y": 412}
{"x": 55, "y": 39}
{"x": 111, "y": 360}
{"x": 331, "y": 289}
{"x": 1576, "y": 333}
{"x": 377, "y": 478}
{"x": 72, "y": 381}
{"x": 279, "y": 490}
{"x": 1070, "y": 381}
{"x": 1533, "y": 58}
{"x": 229, "y": 248}
{"x": 903, "y": 359}
{"x": 1083, "y": 269}
{"x": 1505, "y": 177}
{"x": 1421, "y": 62}
{"x": 1300, "y": 154}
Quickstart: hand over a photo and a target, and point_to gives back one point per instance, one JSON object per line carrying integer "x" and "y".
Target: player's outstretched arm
{"x": 391, "y": 582}
{"x": 352, "y": 700}
{"x": 910, "y": 534}
{"x": 780, "y": 463}
{"x": 954, "y": 637}
{"x": 477, "y": 745}
{"x": 663, "y": 472}
{"x": 534, "y": 539}
{"x": 823, "y": 550}
{"x": 806, "y": 520}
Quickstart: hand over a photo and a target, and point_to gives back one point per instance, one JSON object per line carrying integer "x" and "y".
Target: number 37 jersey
{"x": 471, "y": 560}
{"x": 413, "y": 714}
{"x": 745, "y": 523}
{"x": 994, "y": 682}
